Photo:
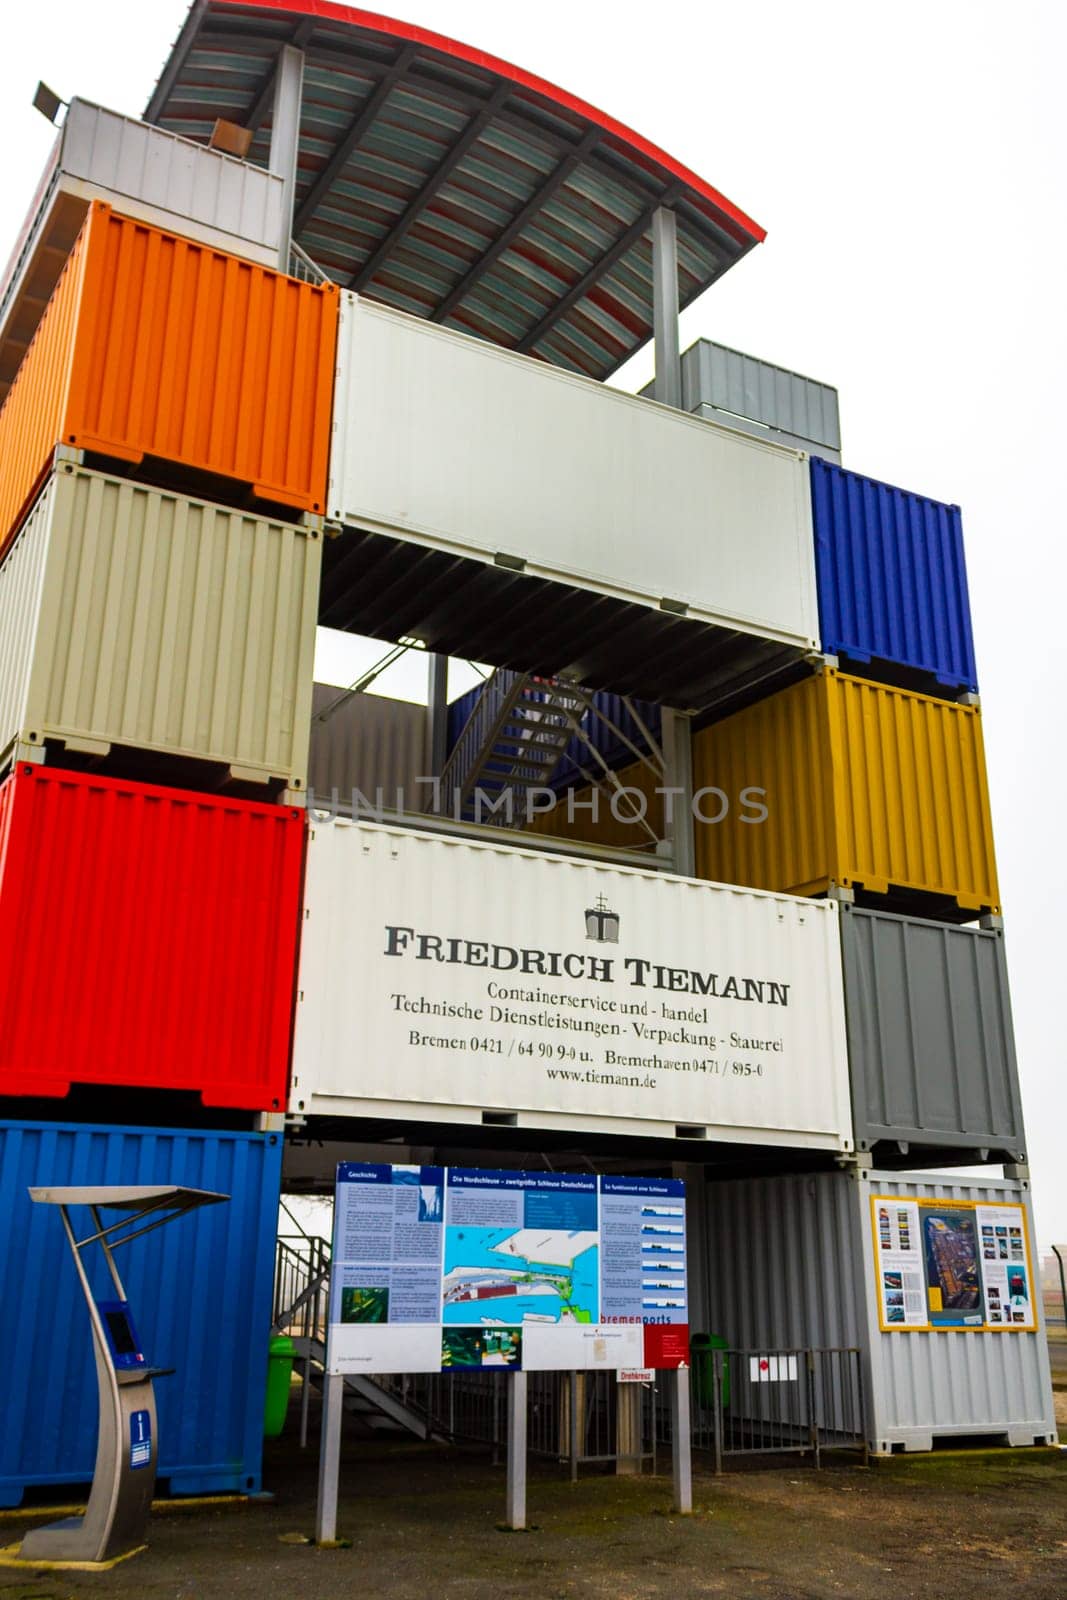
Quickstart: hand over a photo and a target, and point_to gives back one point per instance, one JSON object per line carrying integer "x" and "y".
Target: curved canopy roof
{"x": 446, "y": 183}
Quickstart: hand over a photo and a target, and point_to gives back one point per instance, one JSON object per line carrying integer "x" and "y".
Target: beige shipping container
{"x": 134, "y": 617}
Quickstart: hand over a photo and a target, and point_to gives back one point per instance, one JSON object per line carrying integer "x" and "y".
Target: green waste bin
{"x": 702, "y": 1346}
{"x": 279, "y": 1375}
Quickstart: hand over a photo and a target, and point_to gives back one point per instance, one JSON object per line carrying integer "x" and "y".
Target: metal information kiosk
{"x": 127, "y": 1445}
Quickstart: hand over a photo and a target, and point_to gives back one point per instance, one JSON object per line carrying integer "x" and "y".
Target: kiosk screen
{"x": 120, "y": 1334}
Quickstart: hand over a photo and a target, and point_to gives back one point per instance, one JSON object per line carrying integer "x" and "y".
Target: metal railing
{"x": 572, "y": 1416}
{"x": 798, "y": 1401}
{"x": 303, "y": 267}
{"x": 301, "y": 1287}
{"x": 496, "y": 697}
{"x": 774, "y": 1402}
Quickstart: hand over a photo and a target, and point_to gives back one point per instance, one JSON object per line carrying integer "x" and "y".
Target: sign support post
{"x": 516, "y": 1490}
{"x": 681, "y": 1443}
{"x": 329, "y": 1459}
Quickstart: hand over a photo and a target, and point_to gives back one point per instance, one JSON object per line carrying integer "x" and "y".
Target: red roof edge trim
{"x": 410, "y": 33}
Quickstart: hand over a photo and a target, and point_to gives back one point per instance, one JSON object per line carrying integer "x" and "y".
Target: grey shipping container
{"x": 144, "y": 619}
{"x": 789, "y": 1264}
{"x": 723, "y": 385}
{"x": 930, "y": 1039}
{"x": 369, "y": 743}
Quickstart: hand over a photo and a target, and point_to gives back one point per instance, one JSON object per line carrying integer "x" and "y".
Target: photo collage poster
{"x": 952, "y": 1264}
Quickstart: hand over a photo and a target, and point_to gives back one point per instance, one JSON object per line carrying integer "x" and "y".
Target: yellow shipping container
{"x": 866, "y": 787}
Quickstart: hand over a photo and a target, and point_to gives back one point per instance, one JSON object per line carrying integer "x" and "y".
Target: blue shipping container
{"x": 577, "y": 754}
{"x": 200, "y": 1292}
{"x": 892, "y": 578}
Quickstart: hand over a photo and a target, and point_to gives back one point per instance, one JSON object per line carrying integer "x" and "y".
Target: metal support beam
{"x": 536, "y": 203}
{"x": 677, "y": 738}
{"x": 285, "y": 137}
{"x": 179, "y": 55}
{"x": 681, "y": 1443}
{"x": 343, "y": 151}
{"x": 438, "y": 698}
{"x": 516, "y": 1490}
{"x": 624, "y": 243}
{"x": 419, "y": 201}
{"x": 333, "y": 1394}
{"x": 265, "y": 98}
{"x": 668, "y": 385}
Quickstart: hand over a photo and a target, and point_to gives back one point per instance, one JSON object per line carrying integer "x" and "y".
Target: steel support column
{"x": 677, "y": 738}
{"x": 516, "y": 1489}
{"x": 438, "y": 698}
{"x": 668, "y": 386}
{"x": 681, "y": 1452}
{"x": 333, "y": 1397}
{"x": 285, "y": 137}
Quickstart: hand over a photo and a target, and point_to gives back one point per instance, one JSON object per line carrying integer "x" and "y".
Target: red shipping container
{"x": 148, "y": 938}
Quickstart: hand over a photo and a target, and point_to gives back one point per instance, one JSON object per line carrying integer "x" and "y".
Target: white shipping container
{"x": 450, "y": 442}
{"x": 452, "y": 980}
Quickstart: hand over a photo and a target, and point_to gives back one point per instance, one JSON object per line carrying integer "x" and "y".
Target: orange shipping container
{"x": 155, "y": 346}
{"x": 867, "y": 787}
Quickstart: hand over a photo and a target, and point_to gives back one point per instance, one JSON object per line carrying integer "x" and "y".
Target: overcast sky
{"x": 907, "y": 163}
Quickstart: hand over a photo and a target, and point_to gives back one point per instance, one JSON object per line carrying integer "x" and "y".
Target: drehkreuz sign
{"x": 443, "y": 977}
{"x": 453, "y": 1268}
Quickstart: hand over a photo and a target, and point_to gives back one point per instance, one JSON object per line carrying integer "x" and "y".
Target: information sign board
{"x": 952, "y": 1264}
{"x": 445, "y": 1269}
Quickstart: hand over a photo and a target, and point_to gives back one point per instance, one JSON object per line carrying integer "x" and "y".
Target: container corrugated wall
{"x": 147, "y": 938}
{"x": 148, "y": 173}
{"x": 782, "y": 1262}
{"x": 134, "y": 617}
{"x": 789, "y": 1264}
{"x": 931, "y": 1045}
{"x": 369, "y": 743}
{"x": 744, "y": 392}
{"x": 519, "y": 1010}
{"x": 892, "y": 577}
{"x": 31, "y": 418}
{"x": 153, "y": 345}
{"x": 200, "y": 1292}
{"x": 201, "y": 188}
{"x": 458, "y": 445}
{"x": 605, "y": 817}
{"x": 948, "y": 1383}
{"x": 866, "y": 787}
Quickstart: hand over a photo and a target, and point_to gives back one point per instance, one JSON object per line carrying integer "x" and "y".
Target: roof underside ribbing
{"x": 450, "y": 185}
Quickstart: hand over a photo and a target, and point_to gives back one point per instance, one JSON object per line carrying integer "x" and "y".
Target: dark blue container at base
{"x": 199, "y": 1290}
{"x": 613, "y": 749}
{"x": 891, "y": 577}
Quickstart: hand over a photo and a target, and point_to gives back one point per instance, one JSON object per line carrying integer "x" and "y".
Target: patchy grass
{"x": 423, "y": 1522}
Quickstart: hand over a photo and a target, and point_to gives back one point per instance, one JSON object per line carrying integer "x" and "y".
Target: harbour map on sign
{"x": 496, "y": 1276}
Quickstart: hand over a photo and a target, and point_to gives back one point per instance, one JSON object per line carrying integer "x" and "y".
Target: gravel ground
{"x": 423, "y": 1524}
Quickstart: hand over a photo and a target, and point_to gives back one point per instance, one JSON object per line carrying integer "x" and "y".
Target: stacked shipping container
{"x": 165, "y": 458}
{"x": 163, "y": 454}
